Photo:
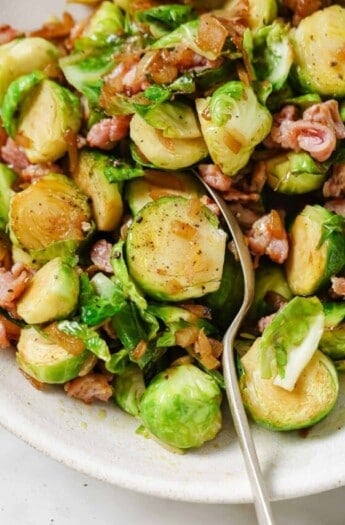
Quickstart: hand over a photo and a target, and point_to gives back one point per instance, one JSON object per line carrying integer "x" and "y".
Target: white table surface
{"x": 36, "y": 490}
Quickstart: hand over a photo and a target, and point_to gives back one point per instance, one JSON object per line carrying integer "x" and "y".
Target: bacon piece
{"x": 14, "y": 155}
{"x": 338, "y": 286}
{"x": 56, "y": 29}
{"x": 210, "y": 204}
{"x": 12, "y": 285}
{"x": 100, "y": 255}
{"x": 302, "y": 8}
{"x": 336, "y": 205}
{"x": 245, "y": 216}
{"x": 268, "y": 237}
{"x": 106, "y": 133}
{"x": 214, "y": 176}
{"x": 128, "y": 77}
{"x": 326, "y": 113}
{"x": 265, "y": 321}
{"x": 35, "y": 171}
{"x": 7, "y": 34}
{"x": 89, "y": 388}
{"x": 335, "y": 185}
{"x": 9, "y": 332}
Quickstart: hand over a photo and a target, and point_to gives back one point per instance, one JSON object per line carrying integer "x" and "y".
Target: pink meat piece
{"x": 106, "y": 133}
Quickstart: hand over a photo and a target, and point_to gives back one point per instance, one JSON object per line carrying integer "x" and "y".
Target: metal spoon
{"x": 260, "y": 494}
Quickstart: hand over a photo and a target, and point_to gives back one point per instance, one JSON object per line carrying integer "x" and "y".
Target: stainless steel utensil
{"x": 260, "y": 494}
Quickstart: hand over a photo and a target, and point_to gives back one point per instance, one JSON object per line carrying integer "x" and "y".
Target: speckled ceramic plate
{"x": 101, "y": 441}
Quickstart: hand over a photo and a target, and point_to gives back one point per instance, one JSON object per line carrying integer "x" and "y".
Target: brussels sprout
{"x": 181, "y": 407}
{"x": 163, "y": 237}
{"x": 50, "y": 216}
{"x": 163, "y": 18}
{"x": 157, "y": 184}
{"x": 129, "y": 388}
{"x": 51, "y": 294}
{"x": 15, "y": 95}
{"x": 332, "y": 342}
{"x": 88, "y": 336}
{"x": 103, "y": 27}
{"x": 233, "y": 122}
{"x": 7, "y": 178}
{"x": 90, "y": 175}
{"x": 57, "y": 110}
{"x": 294, "y": 173}
{"x": 42, "y": 358}
{"x": 84, "y": 71}
{"x": 268, "y": 278}
{"x": 275, "y": 408}
{"x": 100, "y": 299}
{"x": 317, "y": 249}
{"x": 318, "y": 44}
{"x": 289, "y": 341}
{"x": 22, "y": 56}
{"x": 226, "y": 301}
{"x": 270, "y": 53}
{"x": 176, "y": 120}
{"x": 171, "y": 154}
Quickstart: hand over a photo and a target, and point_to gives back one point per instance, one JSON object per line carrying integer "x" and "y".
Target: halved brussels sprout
{"x": 176, "y": 251}
{"x": 22, "y": 56}
{"x": 175, "y": 119}
{"x": 51, "y": 294}
{"x": 90, "y": 175}
{"x": 156, "y": 184}
{"x": 166, "y": 153}
{"x": 233, "y": 122}
{"x": 294, "y": 173}
{"x": 317, "y": 249}
{"x": 261, "y": 13}
{"x": 7, "y": 178}
{"x": 50, "y": 217}
{"x": 47, "y": 361}
{"x": 275, "y": 408}
{"x": 319, "y": 42}
{"x": 332, "y": 342}
{"x": 181, "y": 407}
{"x": 57, "y": 110}
{"x": 129, "y": 387}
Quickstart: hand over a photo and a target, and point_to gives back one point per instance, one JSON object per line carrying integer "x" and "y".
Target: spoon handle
{"x": 260, "y": 494}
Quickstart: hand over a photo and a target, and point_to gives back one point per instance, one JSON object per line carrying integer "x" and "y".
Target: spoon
{"x": 260, "y": 494}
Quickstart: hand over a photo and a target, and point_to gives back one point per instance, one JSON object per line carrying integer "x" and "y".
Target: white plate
{"x": 101, "y": 441}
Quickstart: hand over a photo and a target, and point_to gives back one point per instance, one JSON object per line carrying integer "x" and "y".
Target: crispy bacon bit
{"x": 302, "y": 8}
{"x": 89, "y": 388}
{"x": 214, "y": 176}
{"x": 9, "y": 332}
{"x": 56, "y": 29}
{"x": 335, "y": 185}
{"x": 106, "y": 133}
{"x": 14, "y": 155}
{"x": 317, "y": 132}
{"x": 338, "y": 286}
{"x": 35, "y": 171}
{"x": 211, "y": 34}
{"x": 268, "y": 237}
{"x": 245, "y": 216}
{"x": 7, "y": 34}
{"x": 100, "y": 255}
{"x": 336, "y": 205}
{"x": 126, "y": 77}
{"x": 265, "y": 321}
{"x": 12, "y": 285}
